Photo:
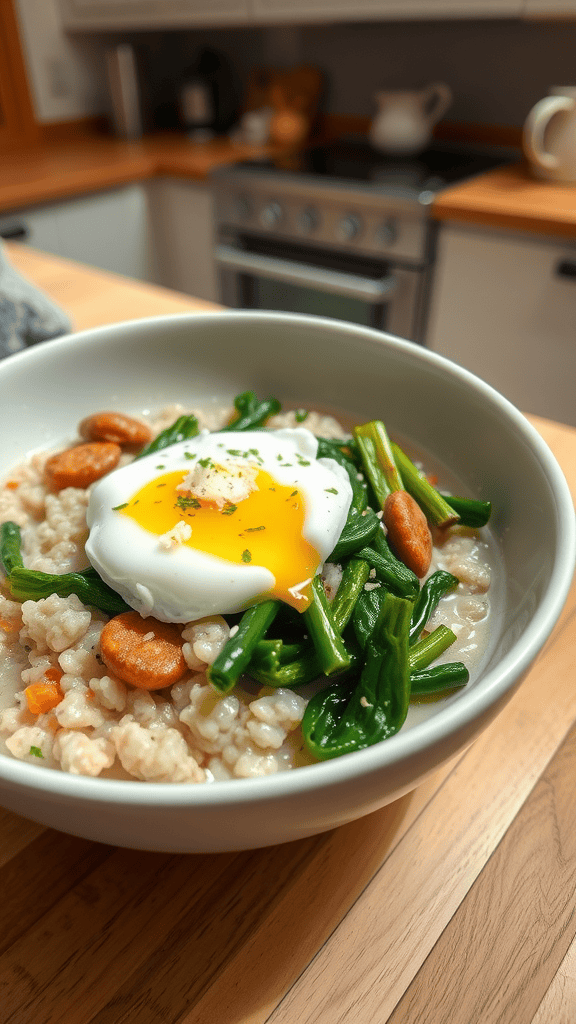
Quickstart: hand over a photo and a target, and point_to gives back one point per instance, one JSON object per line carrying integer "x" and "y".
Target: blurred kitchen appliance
{"x": 209, "y": 96}
{"x": 339, "y": 230}
{"x": 122, "y": 72}
{"x": 405, "y": 119}
{"x": 549, "y": 136}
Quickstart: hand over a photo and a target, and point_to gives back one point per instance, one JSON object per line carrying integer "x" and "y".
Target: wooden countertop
{"x": 70, "y": 167}
{"x": 512, "y": 198}
{"x": 509, "y": 197}
{"x": 453, "y": 905}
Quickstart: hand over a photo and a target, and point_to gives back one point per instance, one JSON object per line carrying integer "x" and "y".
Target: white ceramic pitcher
{"x": 404, "y": 122}
{"x": 549, "y": 136}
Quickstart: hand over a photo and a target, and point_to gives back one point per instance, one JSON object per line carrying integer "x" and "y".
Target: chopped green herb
{"x": 331, "y": 490}
{"x": 183, "y": 502}
{"x": 36, "y": 752}
{"x": 205, "y": 463}
{"x": 293, "y": 495}
{"x": 116, "y": 508}
{"x": 229, "y": 509}
{"x": 246, "y": 555}
{"x": 161, "y": 467}
{"x": 161, "y": 485}
{"x": 302, "y": 462}
{"x": 189, "y": 455}
{"x": 300, "y": 415}
{"x": 254, "y": 529}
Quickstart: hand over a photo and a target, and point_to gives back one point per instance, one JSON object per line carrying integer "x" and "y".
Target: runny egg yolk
{"x": 264, "y": 529}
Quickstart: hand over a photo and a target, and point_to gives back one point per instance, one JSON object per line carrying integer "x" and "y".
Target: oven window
{"x": 263, "y": 292}
{"x": 290, "y": 298}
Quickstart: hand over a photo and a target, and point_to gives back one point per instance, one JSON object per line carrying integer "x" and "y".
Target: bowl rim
{"x": 497, "y": 685}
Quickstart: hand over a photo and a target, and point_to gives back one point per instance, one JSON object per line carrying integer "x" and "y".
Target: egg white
{"x": 182, "y": 584}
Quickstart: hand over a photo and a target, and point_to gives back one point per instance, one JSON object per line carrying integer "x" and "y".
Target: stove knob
{"x": 242, "y": 208}
{"x": 308, "y": 220}
{"x": 387, "y": 233}
{"x": 349, "y": 227}
{"x": 271, "y": 215}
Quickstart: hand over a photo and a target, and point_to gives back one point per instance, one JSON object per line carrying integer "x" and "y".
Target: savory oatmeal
{"x": 131, "y": 686}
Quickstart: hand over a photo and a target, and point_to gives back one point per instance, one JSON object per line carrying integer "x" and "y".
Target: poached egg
{"x": 217, "y": 523}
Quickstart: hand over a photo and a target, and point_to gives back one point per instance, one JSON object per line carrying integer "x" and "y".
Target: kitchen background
{"x": 483, "y": 309}
{"x": 497, "y": 68}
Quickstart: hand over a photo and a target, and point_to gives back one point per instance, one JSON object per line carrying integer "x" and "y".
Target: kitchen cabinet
{"x": 109, "y": 230}
{"x": 380, "y": 10}
{"x": 100, "y": 15}
{"x": 182, "y": 225}
{"x": 147, "y": 14}
{"x": 553, "y": 8}
{"x": 161, "y": 232}
{"x": 504, "y": 306}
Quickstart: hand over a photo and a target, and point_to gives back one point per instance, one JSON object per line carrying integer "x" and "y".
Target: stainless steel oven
{"x": 338, "y": 231}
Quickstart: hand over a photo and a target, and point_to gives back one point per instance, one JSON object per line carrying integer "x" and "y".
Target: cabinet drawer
{"x": 505, "y": 307}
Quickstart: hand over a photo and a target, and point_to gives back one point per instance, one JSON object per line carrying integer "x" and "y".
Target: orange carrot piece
{"x": 42, "y": 697}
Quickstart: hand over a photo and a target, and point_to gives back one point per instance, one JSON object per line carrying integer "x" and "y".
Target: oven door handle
{"x": 335, "y": 281}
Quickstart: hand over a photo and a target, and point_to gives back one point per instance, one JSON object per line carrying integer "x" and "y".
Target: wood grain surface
{"x": 453, "y": 905}
{"x": 60, "y": 167}
{"x": 511, "y": 197}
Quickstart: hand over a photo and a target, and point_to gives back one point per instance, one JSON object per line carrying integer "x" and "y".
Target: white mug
{"x": 549, "y": 136}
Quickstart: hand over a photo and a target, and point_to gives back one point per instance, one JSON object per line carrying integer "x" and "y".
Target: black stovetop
{"x": 357, "y": 161}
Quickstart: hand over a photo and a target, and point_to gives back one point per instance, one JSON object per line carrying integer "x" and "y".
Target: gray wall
{"x": 496, "y": 68}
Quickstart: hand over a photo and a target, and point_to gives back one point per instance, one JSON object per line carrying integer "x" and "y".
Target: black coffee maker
{"x": 209, "y": 96}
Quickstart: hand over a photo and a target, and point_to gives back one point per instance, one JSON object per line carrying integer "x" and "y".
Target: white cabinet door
{"x": 110, "y": 230}
{"x": 39, "y": 225}
{"x": 147, "y": 14}
{"x": 380, "y": 10}
{"x": 504, "y": 306}
{"x": 182, "y": 220}
{"x": 554, "y": 8}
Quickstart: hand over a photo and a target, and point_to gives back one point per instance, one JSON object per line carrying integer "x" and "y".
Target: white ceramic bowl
{"x": 459, "y": 420}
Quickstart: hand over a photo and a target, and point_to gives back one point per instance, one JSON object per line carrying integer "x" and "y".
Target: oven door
{"x": 257, "y": 273}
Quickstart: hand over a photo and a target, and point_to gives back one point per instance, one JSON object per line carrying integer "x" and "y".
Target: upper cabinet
{"x": 552, "y": 8}
{"x": 148, "y": 14}
{"x": 380, "y": 10}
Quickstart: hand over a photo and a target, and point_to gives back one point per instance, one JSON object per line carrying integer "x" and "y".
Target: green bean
{"x": 182, "y": 429}
{"x": 328, "y": 644}
{"x": 435, "y": 587}
{"x": 252, "y": 412}
{"x": 237, "y": 651}
{"x": 434, "y": 506}
{"x": 277, "y": 663}
{"x": 355, "y": 575}
{"x": 378, "y": 459}
{"x": 449, "y": 676}
{"x": 430, "y": 647}
{"x": 10, "y": 547}
{"x": 471, "y": 512}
